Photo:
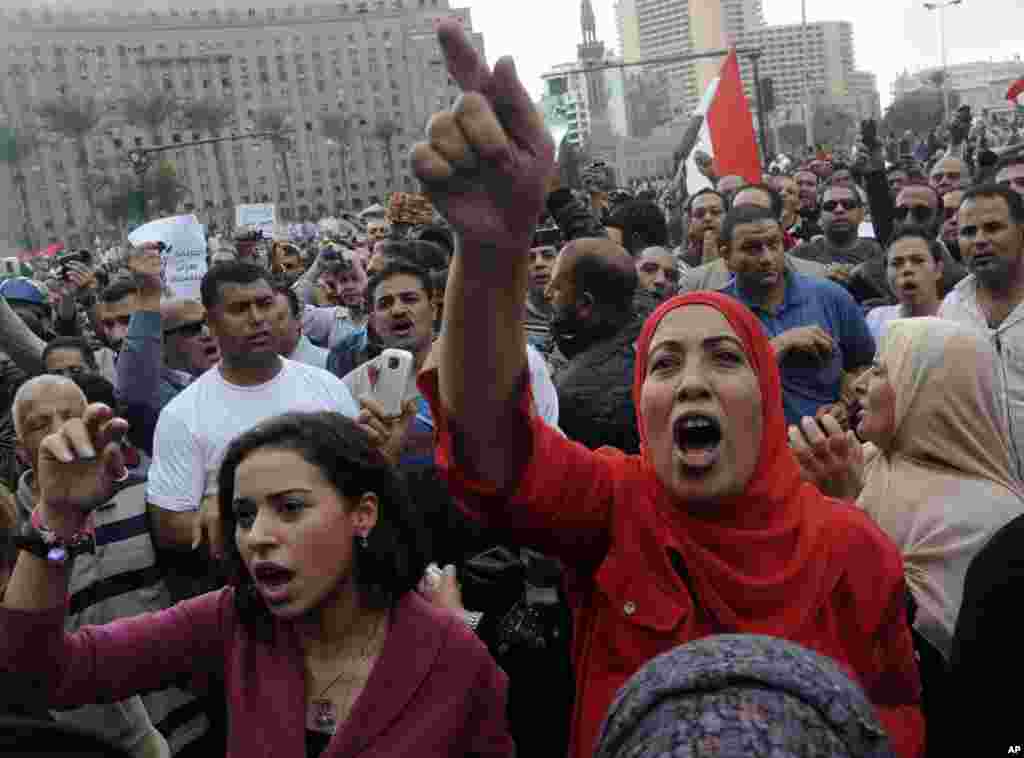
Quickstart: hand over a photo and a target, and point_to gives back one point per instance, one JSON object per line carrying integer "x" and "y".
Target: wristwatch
{"x": 58, "y": 551}
{"x": 43, "y": 543}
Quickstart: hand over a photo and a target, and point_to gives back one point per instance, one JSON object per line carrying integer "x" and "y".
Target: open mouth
{"x": 698, "y": 438}
{"x": 401, "y": 328}
{"x": 272, "y": 582}
{"x": 983, "y": 261}
{"x": 909, "y": 287}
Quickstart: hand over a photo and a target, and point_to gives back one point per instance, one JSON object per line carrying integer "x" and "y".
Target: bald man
{"x": 598, "y": 311}
{"x": 948, "y": 174}
{"x": 120, "y": 579}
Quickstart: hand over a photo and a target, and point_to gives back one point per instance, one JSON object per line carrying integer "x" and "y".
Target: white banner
{"x": 262, "y": 216}
{"x": 184, "y": 256}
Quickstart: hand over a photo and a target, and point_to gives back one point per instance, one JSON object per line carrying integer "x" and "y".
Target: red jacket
{"x": 629, "y": 591}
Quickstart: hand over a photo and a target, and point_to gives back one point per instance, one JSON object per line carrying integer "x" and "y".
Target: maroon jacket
{"x": 435, "y": 690}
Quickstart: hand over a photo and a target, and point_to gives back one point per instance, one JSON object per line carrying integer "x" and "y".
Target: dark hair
{"x": 71, "y": 343}
{"x": 96, "y": 389}
{"x": 916, "y": 231}
{"x": 642, "y": 224}
{"x": 1012, "y": 159}
{"x": 611, "y": 286}
{"x": 437, "y": 235}
{"x": 1013, "y": 200}
{"x": 228, "y": 272}
{"x": 706, "y": 191}
{"x": 423, "y": 253}
{"x": 774, "y": 198}
{"x": 395, "y": 558}
{"x": 397, "y": 267}
{"x": 282, "y": 288}
{"x": 118, "y": 290}
{"x": 744, "y": 214}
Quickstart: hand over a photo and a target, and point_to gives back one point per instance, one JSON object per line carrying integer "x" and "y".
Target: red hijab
{"x": 763, "y": 564}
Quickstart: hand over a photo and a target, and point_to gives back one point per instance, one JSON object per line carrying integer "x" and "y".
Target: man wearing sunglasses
{"x": 841, "y": 248}
{"x": 917, "y": 205}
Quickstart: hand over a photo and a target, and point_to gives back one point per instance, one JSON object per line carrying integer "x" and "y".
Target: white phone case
{"x": 394, "y": 372}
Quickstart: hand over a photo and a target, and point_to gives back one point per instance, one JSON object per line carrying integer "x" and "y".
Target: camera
{"x": 75, "y": 256}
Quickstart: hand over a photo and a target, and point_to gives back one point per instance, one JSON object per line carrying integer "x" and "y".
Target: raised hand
{"x": 829, "y": 457}
{"x": 485, "y": 163}
{"x": 144, "y": 263}
{"x": 79, "y": 465}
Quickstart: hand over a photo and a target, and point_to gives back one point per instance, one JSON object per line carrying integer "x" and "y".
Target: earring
{"x": 364, "y": 541}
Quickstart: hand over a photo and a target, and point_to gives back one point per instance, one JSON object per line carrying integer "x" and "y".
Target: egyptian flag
{"x": 727, "y": 134}
{"x": 1016, "y": 92}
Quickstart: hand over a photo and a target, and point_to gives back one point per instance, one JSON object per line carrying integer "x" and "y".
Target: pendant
{"x": 322, "y": 716}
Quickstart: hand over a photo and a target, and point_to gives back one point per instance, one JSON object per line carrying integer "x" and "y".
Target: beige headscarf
{"x": 946, "y": 483}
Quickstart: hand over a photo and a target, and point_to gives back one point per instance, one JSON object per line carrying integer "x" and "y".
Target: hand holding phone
{"x": 394, "y": 372}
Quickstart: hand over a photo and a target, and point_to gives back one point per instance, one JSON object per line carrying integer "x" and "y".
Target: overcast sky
{"x": 889, "y": 35}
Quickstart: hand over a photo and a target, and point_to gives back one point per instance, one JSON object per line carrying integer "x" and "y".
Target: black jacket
{"x": 595, "y": 391}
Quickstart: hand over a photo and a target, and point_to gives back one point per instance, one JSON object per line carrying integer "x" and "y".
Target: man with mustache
{"x": 991, "y": 220}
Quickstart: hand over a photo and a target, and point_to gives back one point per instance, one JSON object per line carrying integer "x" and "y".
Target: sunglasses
{"x": 829, "y": 206}
{"x": 188, "y": 329}
{"x": 921, "y": 213}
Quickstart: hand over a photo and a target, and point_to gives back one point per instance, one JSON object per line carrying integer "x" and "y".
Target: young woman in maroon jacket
{"x": 321, "y": 641}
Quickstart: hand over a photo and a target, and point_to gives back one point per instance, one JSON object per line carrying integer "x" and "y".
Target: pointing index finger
{"x": 463, "y": 62}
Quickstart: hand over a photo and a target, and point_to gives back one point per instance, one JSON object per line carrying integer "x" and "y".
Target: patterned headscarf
{"x": 736, "y": 696}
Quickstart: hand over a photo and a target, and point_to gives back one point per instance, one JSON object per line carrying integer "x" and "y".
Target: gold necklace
{"x": 322, "y": 715}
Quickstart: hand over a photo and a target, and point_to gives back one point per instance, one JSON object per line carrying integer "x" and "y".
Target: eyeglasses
{"x": 829, "y": 206}
{"x": 922, "y": 214}
{"x": 953, "y": 176}
{"x": 188, "y": 329}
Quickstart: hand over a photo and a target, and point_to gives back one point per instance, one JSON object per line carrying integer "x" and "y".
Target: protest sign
{"x": 261, "y": 216}
{"x": 183, "y": 259}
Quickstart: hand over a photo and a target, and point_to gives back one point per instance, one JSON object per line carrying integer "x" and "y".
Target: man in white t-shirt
{"x": 251, "y": 383}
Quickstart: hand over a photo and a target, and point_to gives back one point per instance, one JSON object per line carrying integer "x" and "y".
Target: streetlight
{"x": 941, "y": 8}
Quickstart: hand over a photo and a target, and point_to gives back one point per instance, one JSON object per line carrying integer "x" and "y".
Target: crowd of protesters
{"x": 733, "y": 473}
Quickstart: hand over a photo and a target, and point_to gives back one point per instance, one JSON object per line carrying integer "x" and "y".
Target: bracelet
{"x": 48, "y": 545}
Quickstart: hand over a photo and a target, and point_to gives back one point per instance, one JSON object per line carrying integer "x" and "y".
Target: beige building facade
{"x": 370, "y": 61}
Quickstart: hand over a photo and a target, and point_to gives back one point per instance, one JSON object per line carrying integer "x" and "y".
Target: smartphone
{"x": 394, "y": 372}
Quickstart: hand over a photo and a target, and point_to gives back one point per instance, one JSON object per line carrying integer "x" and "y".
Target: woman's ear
{"x": 364, "y": 514}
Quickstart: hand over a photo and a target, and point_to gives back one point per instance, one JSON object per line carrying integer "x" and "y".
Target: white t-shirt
{"x": 878, "y": 319}
{"x": 196, "y": 427}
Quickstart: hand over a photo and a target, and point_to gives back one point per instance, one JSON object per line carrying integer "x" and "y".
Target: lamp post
{"x": 941, "y": 8}
{"x": 808, "y": 102}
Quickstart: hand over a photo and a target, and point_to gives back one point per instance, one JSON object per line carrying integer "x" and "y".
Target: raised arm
{"x": 485, "y": 167}
{"x": 486, "y": 173}
{"x": 141, "y": 358}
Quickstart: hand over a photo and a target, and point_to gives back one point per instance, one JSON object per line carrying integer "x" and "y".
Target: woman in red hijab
{"x": 709, "y": 530}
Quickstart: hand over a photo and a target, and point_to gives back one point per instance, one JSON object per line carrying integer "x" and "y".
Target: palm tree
{"x": 16, "y": 148}
{"x": 277, "y": 121}
{"x": 75, "y": 117}
{"x": 386, "y": 130}
{"x": 338, "y": 128}
{"x": 211, "y": 115}
{"x": 149, "y": 110}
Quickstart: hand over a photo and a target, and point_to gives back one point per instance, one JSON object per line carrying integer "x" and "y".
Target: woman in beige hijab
{"x": 940, "y": 478}
{"x": 935, "y": 473}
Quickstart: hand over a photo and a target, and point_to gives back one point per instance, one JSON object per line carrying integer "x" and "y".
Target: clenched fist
{"x": 485, "y": 162}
